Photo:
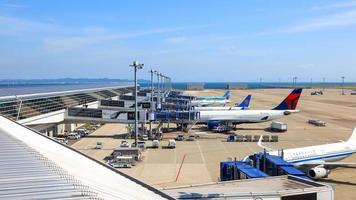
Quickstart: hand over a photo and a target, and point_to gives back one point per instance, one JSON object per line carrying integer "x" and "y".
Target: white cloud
{"x": 89, "y": 37}
{"x": 12, "y": 26}
{"x": 348, "y": 4}
{"x": 336, "y": 20}
{"x": 12, "y": 5}
{"x": 60, "y": 38}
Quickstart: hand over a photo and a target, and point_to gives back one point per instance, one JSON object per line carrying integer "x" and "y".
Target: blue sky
{"x": 203, "y": 40}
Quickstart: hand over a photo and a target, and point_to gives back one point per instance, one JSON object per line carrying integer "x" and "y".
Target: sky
{"x": 199, "y": 40}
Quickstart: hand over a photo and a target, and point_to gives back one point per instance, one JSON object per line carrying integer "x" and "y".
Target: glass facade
{"x": 30, "y": 107}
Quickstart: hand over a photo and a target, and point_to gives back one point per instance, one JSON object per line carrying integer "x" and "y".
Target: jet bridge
{"x": 74, "y": 114}
{"x": 123, "y": 104}
{"x": 259, "y": 165}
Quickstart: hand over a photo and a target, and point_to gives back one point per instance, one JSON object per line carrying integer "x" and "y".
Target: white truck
{"x": 171, "y": 144}
{"x": 155, "y": 144}
{"x": 279, "y": 126}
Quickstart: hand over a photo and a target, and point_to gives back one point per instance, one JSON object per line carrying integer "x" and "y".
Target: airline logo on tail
{"x": 291, "y": 101}
{"x": 245, "y": 103}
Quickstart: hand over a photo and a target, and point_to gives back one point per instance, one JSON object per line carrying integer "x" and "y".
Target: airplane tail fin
{"x": 245, "y": 103}
{"x": 227, "y": 95}
{"x": 352, "y": 138}
{"x": 291, "y": 101}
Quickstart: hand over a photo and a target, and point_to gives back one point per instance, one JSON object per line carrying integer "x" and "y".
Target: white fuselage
{"x": 209, "y": 102}
{"x": 327, "y": 153}
{"x": 241, "y": 116}
{"x": 218, "y": 108}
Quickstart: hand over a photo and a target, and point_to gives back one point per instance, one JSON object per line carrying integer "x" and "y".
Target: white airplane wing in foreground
{"x": 263, "y": 146}
{"x": 327, "y": 164}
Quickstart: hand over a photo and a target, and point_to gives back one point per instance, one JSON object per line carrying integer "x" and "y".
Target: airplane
{"x": 318, "y": 161}
{"x": 245, "y": 104}
{"x": 286, "y": 107}
{"x": 212, "y": 101}
{"x": 226, "y": 95}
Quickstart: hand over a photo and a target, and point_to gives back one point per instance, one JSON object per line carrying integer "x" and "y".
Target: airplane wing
{"x": 262, "y": 146}
{"x": 328, "y": 164}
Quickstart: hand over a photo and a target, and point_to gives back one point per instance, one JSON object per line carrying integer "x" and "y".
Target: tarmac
{"x": 196, "y": 162}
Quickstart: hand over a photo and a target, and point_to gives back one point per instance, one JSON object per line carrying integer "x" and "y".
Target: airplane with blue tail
{"x": 212, "y": 100}
{"x": 245, "y": 104}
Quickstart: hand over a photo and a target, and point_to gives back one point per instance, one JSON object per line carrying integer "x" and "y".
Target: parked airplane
{"x": 318, "y": 161}
{"x": 226, "y": 95}
{"x": 212, "y": 101}
{"x": 245, "y": 104}
{"x": 286, "y": 107}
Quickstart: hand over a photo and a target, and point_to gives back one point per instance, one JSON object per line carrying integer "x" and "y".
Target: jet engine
{"x": 212, "y": 124}
{"x": 318, "y": 172}
{"x": 287, "y": 112}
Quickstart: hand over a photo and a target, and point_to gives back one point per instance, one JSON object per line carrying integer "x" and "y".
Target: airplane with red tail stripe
{"x": 286, "y": 107}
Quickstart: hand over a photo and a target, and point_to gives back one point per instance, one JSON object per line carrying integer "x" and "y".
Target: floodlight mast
{"x": 136, "y": 67}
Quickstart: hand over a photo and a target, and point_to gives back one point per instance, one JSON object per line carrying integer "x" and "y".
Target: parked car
{"x": 124, "y": 144}
{"x": 144, "y": 137}
{"x": 171, "y": 144}
{"x": 99, "y": 145}
{"x": 180, "y": 137}
{"x": 191, "y": 138}
{"x": 231, "y": 138}
{"x": 73, "y": 136}
{"x": 141, "y": 144}
{"x": 62, "y": 140}
{"x": 155, "y": 144}
{"x": 82, "y": 131}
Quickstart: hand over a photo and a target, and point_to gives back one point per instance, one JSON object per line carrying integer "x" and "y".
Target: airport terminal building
{"x": 43, "y": 111}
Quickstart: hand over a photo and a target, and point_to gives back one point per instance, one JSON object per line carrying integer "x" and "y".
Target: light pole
{"x": 166, "y": 83}
{"x": 295, "y": 81}
{"x": 158, "y": 92}
{"x": 152, "y": 89}
{"x": 163, "y": 83}
{"x": 170, "y": 84}
{"x": 342, "y": 86}
{"x": 19, "y": 110}
{"x": 136, "y": 66}
{"x": 161, "y": 89}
